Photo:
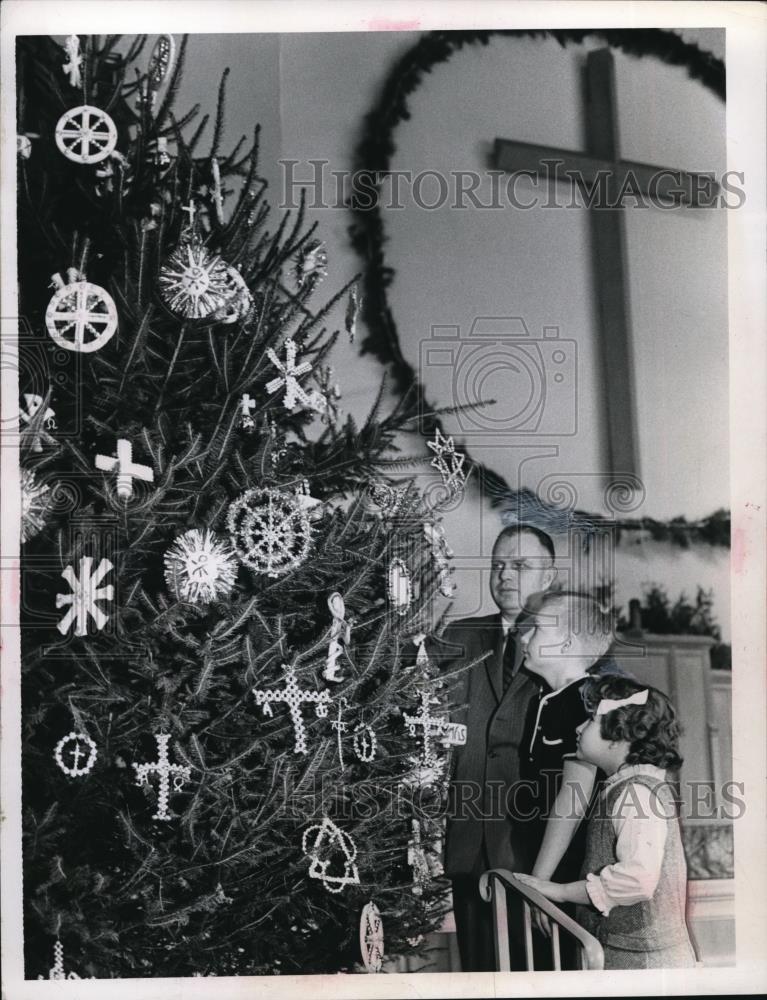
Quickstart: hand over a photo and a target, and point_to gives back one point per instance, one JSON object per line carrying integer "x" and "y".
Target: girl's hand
{"x": 551, "y": 890}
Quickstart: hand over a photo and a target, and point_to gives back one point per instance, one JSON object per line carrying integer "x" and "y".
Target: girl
{"x": 634, "y": 876}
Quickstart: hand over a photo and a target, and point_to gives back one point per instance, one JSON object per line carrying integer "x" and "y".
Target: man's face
{"x": 520, "y": 567}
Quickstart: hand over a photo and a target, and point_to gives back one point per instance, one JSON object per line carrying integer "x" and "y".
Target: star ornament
{"x": 448, "y": 462}
{"x": 200, "y": 568}
{"x": 35, "y": 505}
{"x": 193, "y": 281}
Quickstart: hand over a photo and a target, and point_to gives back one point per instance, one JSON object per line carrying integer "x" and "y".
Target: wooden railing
{"x": 493, "y": 887}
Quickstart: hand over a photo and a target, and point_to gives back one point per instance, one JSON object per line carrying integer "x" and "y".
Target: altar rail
{"x": 494, "y": 886}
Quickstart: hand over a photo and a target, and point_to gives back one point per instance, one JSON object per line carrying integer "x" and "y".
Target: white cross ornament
{"x": 290, "y": 372}
{"x": 294, "y": 697}
{"x": 74, "y": 770}
{"x": 430, "y": 724}
{"x": 191, "y": 209}
{"x": 247, "y": 405}
{"x": 449, "y": 733}
{"x": 74, "y": 60}
{"x": 126, "y": 468}
{"x": 86, "y": 590}
{"x": 163, "y": 767}
{"x": 340, "y": 728}
{"x": 57, "y": 972}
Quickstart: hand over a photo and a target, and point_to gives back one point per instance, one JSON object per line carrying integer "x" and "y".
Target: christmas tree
{"x": 233, "y": 738}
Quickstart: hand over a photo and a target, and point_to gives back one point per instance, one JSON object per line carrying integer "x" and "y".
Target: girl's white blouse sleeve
{"x": 641, "y": 828}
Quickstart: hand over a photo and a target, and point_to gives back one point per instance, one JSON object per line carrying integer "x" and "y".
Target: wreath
{"x": 373, "y": 157}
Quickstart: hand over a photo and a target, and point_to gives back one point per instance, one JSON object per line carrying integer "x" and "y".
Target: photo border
{"x": 746, "y": 61}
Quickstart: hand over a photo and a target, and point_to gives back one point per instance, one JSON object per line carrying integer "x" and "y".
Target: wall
{"x": 453, "y": 266}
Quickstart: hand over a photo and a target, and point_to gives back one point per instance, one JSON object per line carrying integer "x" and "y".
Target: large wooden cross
{"x": 599, "y": 172}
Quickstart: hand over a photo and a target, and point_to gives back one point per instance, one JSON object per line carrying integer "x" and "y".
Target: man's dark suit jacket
{"x": 485, "y": 770}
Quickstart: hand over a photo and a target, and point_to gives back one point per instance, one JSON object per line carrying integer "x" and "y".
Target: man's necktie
{"x": 509, "y": 656}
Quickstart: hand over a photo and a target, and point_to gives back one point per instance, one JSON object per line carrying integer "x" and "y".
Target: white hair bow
{"x": 610, "y": 704}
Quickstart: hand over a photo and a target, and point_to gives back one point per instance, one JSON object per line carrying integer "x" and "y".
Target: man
{"x": 497, "y": 695}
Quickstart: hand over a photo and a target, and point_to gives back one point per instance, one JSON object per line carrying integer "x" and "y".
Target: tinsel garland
{"x": 373, "y": 159}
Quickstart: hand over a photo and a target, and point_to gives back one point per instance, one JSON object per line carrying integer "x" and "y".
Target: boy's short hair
{"x": 582, "y": 616}
{"x": 652, "y": 729}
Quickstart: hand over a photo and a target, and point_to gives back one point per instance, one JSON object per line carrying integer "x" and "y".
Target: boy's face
{"x": 593, "y": 747}
{"x": 547, "y": 644}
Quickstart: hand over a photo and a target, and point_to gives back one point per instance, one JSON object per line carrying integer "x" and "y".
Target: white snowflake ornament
{"x": 35, "y": 505}
{"x": 200, "y": 568}
{"x": 81, "y": 316}
{"x": 86, "y": 134}
{"x": 269, "y": 530}
{"x": 290, "y": 372}
{"x": 194, "y": 283}
{"x": 86, "y": 591}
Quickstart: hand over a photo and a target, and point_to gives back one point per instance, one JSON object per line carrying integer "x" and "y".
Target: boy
{"x": 565, "y": 649}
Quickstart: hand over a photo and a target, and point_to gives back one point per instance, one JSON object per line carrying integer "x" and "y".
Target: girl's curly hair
{"x": 652, "y": 729}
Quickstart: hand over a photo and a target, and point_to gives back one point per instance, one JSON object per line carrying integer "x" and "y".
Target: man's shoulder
{"x": 467, "y": 635}
{"x": 474, "y": 624}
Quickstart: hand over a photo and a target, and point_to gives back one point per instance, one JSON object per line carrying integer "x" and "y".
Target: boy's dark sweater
{"x": 551, "y": 739}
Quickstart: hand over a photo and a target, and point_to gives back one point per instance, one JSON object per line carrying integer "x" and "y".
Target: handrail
{"x": 590, "y": 946}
